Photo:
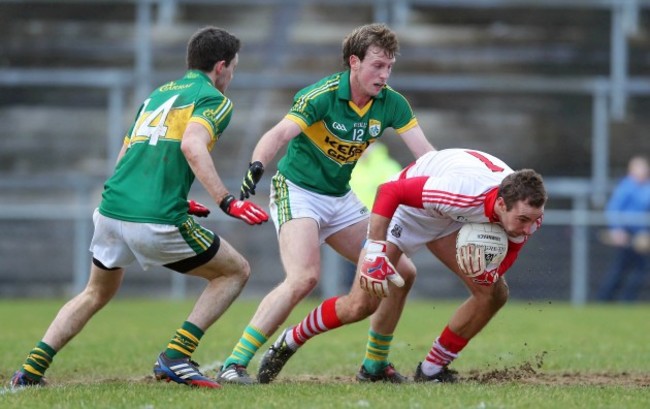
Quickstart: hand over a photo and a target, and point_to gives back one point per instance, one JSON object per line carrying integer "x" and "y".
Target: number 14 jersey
{"x": 151, "y": 182}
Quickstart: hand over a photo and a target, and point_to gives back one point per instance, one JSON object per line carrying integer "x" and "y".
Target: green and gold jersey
{"x": 335, "y": 132}
{"x": 152, "y": 180}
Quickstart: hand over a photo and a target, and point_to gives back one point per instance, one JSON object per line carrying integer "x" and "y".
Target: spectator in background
{"x": 630, "y": 201}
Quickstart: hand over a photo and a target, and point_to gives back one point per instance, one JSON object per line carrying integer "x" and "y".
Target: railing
{"x": 599, "y": 88}
{"x": 609, "y": 95}
{"x": 79, "y": 207}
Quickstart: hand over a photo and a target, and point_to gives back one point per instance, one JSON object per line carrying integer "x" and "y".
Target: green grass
{"x": 532, "y": 355}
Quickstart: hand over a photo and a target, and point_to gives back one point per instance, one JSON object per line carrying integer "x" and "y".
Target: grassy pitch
{"x": 532, "y": 355}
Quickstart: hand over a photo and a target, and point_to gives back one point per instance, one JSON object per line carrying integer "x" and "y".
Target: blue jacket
{"x": 629, "y": 196}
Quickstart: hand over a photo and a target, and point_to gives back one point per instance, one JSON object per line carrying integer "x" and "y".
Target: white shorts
{"x": 117, "y": 243}
{"x": 332, "y": 213}
{"x": 410, "y": 229}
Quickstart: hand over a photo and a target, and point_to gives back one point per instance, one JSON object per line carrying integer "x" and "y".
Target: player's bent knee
{"x": 409, "y": 280}
{"x": 97, "y": 297}
{"x": 498, "y": 297}
{"x": 301, "y": 287}
{"x": 501, "y": 293}
{"x": 491, "y": 297}
{"x": 407, "y": 270}
{"x": 244, "y": 270}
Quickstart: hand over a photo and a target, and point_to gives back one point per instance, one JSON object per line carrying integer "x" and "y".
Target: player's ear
{"x": 218, "y": 67}
{"x": 354, "y": 62}
{"x": 500, "y": 205}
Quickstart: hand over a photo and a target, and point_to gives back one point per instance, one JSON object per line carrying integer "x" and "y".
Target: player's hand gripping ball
{"x": 377, "y": 270}
{"x": 480, "y": 248}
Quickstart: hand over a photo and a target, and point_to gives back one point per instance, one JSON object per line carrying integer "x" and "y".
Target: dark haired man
{"x": 145, "y": 215}
{"x": 425, "y": 205}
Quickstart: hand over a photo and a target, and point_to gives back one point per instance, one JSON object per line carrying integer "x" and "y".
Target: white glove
{"x": 471, "y": 259}
{"x": 376, "y": 270}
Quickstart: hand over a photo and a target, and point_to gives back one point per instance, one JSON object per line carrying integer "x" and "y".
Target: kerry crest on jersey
{"x": 374, "y": 128}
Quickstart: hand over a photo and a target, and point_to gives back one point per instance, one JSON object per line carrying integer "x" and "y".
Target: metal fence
{"x": 80, "y": 204}
{"x": 609, "y": 96}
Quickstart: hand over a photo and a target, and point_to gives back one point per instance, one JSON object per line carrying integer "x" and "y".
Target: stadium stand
{"x": 536, "y": 84}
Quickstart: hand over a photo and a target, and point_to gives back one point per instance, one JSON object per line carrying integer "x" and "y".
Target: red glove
{"x": 243, "y": 209}
{"x": 197, "y": 209}
{"x": 487, "y": 278}
{"x": 376, "y": 270}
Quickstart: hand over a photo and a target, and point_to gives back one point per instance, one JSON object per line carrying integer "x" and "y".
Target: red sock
{"x": 446, "y": 348}
{"x": 321, "y": 319}
{"x": 452, "y": 342}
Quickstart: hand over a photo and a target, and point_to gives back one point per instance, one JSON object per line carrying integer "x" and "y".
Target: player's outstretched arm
{"x": 265, "y": 150}
{"x": 195, "y": 148}
{"x": 417, "y": 142}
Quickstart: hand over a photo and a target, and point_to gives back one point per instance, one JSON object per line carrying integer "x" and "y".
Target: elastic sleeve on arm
{"x": 511, "y": 256}
{"x": 298, "y": 120}
{"x": 390, "y": 195}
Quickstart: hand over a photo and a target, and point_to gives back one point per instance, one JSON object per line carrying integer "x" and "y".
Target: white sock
{"x": 429, "y": 368}
{"x": 291, "y": 343}
{"x": 437, "y": 359}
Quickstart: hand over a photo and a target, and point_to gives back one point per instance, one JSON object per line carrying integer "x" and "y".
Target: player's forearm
{"x": 273, "y": 140}
{"x": 266, "y": 149}
{"x": 202, "y": 165}
{"x": 377, "y": 230}
{"x": 417, "y": 142}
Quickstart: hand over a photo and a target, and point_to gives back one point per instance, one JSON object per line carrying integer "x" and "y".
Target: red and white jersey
{"x": 439, "y": 192}
{"x": 459, "y": 182}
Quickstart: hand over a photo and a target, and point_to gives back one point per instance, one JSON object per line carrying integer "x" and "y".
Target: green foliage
{"x": 532, "y": 355}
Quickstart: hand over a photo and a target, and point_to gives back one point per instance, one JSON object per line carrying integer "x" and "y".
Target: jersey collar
{"x": 490, "y": 200}
{"x": 193, "y": 74}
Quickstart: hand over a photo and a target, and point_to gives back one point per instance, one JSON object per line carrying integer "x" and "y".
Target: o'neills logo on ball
{"x": 489, "y": 237}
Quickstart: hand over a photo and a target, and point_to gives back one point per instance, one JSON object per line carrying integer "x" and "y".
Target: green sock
{"x": 38, "y": 360}
{"x": 377, "y": 350}
{"x": 184, "y": 342}
{"x": 251, "y": 340}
